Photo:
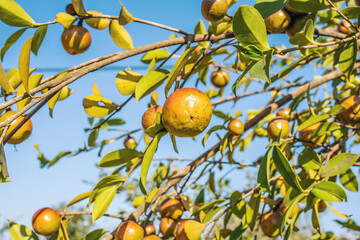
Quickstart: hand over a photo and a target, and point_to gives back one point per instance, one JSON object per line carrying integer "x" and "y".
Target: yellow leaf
{"x": 97, "y": 23}
{"x": 97, "y": 106}
{"x": 65, "y": 19}
{"x": 4, "y": 82}
{"x": 120, "y": 36}
{"x": 65, "y": 92}
{"x": 125, "y": 16}
{"x": 79, "y": 7}
{"x": 96, "y": 90}
{"x": 34, "y": 81}
{"x": 24, "y": 62}
{"x": 126, "y": 82}
{"x": 193, "y": 229}
{"x": 15, "y": 79}
{"x": 336, "y": 212}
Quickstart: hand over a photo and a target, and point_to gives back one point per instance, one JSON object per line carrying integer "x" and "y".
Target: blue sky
{"x": 31, "y": 187}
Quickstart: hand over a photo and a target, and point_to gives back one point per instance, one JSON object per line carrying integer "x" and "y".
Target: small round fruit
{"x": 180, "y": 232}
{"x": 296, "y": 25}
{"x": 282, "y": 209}
{"x": 276, "y": 126}
{"x": 197, "y": 49}
{"x": 150, "y": 229}
{"x": 129, "y": 230}
{"x": 23, "y": 133}
{"x": 70, "y": 9}
{"x": 270, "y": 224}
{"x": 285, "y": 113}
{"x": 171, "y": 208}
{"x": 187, "y": 112}
{"x": 214, "y": 10}
{"x": 149, "y": 117}
{"x": 46, "y": 221}
{"x": 167, "y": 227}
{"x": 235, "y": 127}
{"x": 130, "y": 142}
{"x": 97, "y": 23}
{"x": 76, "y": 39}
{"x": 352, "y": 113}
{"x": 220, "y": 78}
{"x": 344, "y": 27}
{"x": 152, "y": 237}
{"x": 277, "y": 22}
{"x": 306, "y": 136}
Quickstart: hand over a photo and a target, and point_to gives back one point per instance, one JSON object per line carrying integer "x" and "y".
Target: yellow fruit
{"x": 235, "y": 127}
{"x": 167, "y": 227}
{"x": 97, "y": 23}
{"x": 171, "y": 208}
{"x": 306, "y": 135}
{"x": 149, "y": 117}
{"x": 220, "y": 78}
{"x": 352, "y": 113}
{"x": 180, "y": 232}
{"x": 46, "y": 221}
{"x": 270, "y": 224}
{"x": 130, "y": 142}
{"x": 277, "y": 22}
{"x": 276, "y": 126}
{"x": 23, "y": 133}
{"x": 214, "y": 10}
{"x": 76, "y": 39}
{"x": 152, "y": 237}
{"x": 285, "y": 113}
{"x": 344, "y": 27}
{"x": 150, "y": 229}
{"x": 129, "y": 230}
{"x": 187, "y": 112}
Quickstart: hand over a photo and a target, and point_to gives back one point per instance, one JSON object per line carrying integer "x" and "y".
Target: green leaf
{"x": 285, "y": 169}
{"x": 147, "y": 159}
{"x": 3, "y": 172}
{"x": 21, "y": 232}
{"x": 4, "y": 82}
{"x": 38, "y": 39}
{"x": 261, "y": 69}
{"x": 211, "y": 130}
{"x": 305, "y": 36}
{"x": 237, "y": 233}
{"x": 13, "y": 14}
{"x": 350, "y": 12}
{"x": 289, "y": 211}
{"x": 120, "y": 36}
{"x": 312, "y": 120}
{"x": 339, "y": 164}
{"x": 307, "y": 6}
{"x": 309, "y": 159}
{"x": 92, "y": 137}
{"x": 201, "y": 29}
{"x": 211, "y": 213}
{"x": 349, "y": 181}
{"x": 34, "y": 81}
{"x": 119, "y": 157}
{"x": 126, "y": 82}
{"x": 249, "y": 27}
{"x": 180, "y": 63}
{"x": 209, "y": 205}
{"x": 79, "y": 7}
{"x": 173, "y": 140}
{"x": 95, "y": 235}
{"x": 150, "y": 82}
{"x": 102, "y": 202}
{"x": 157, "y": 54}
{"x": 329, "y": 191}
{"x": 10, "y": 41}
{"x": 78, "y": 198}
{"x": 263, "y": 173}
{"x": 202, "y": 64}
{"x": 24, "y": 62}
{"x": 268, "y": 7}
{"x": 252, "y": 210}
{"x": 237, "y": 82}
{"x": 350, "y": 224}
{"x": 58, "y": 157}
{"x": 125, "y": 16}
{"x": 324, "y": 128}
{"x": 347, "y": 57}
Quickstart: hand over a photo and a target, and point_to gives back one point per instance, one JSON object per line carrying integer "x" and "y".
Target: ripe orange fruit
{"x": 220, "y": 78}
{"x": 171, "y": 208}
{"x": 46, "y": 221}
{"x": 276, "y": 126}
{"x": 23, "y": 133}
{"x": 344, "y": 27}
{"x": 167, "y": 227}
{"x": 352, "y": 113}
{"x": 285, "y": 113}
{"x": 76, "y": 39}
{"x": 214, "y": 10}
{"x": 270, "y": 224}
{"x": 97, "y": 23}
{"x": 149, "y": 117}
{"x": 306, "y": 135}
{"x": 129, "y": 230}
{"x": 152, "y": 237}
{"x": 150, "y": 229}
{"x": 235, "y": 127}
{"x": 187, "y": 112}
{"x": 277, "y": 22}
{"x": 180, "y": 232}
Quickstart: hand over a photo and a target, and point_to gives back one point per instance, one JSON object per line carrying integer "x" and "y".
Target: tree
{"x": 310, "y": 139}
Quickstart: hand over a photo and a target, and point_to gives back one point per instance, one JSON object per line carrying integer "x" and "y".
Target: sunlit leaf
{"x": 263, "y": 173}
{"x": 193, "y": 229}
{"x": 347, "y": 57}
{"x": 10, "y": 41}
{"x": 78, "y": 198}
{"x": 119, "y": 157}
{"x": 349, "y": 181}
{"x": 157, "y": 54}
{"x": 268, "y": 7}
{"x": 252, "y": 210}
{"x": 95, "y": 235}
{"x": 21, "y": 232}
{"x": 102, "y": 202}
{"x": 34, "y": 81}
{"x": 126, "y": 82}
{"x": 120, "y": 36}
{"x": 150, "y": 82}
{"x": 13, "y": 14}
{"x": 125, "y": 16}
{"x": 329, "y": 191}
{"x": 97, "y": 106}
{"x": 339, "y": 164}
{"x": 38, "y": 39}
{"x": 4, "y": 82}
{"x": 24, "y": 62}
{"x": 79, "y": 7}
{"x": 65, "y": 19}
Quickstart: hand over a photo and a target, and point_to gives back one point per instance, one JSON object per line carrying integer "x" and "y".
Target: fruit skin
{"x": 187, "y": 112}
{"x": 46, "y": 221}
{"x": 285, "y": 113}
{"x": 130, "y": 142}
{"x": 282, "y": 209}
{"x": 270, "y": 223}
{"x": 352, "y": 113}
{"x": 149, "y": 118}
{"x": 97, "y": 23}
{"x": 197, "y": 49}
{"x": 220, "y": 78}
{"x": 70, "y": 9}
{"x": 152, "y": 237}
{"x": 296, "y": 25}
{"x": 275, "y": 126}
{"x": 180, "y": 232}
{"x": 171, "y": 208}
{"x": 277, "y": 22}
{"x": 235, "y": 127}
{"x": 76, "y": 39}
{"x": 214, "y": 10}
{"x": 167, "y": 227}
{"x": 150, "y": 229}
{"x": 306, "y": 135}
{"x": 344, "y": 27}
{"x": 129, "y": 230}
{"x": 23, "y": 133}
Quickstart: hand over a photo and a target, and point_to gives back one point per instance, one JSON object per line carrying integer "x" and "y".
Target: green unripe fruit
{"x": 277, "y": 22}
{"x": 277, "y": 126}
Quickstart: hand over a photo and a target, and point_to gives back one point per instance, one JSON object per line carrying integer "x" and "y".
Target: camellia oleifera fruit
{"x": 70, "y": 9}
{"x": 149, "y": 117}
{"x": 220, "y": 78}
{"x": 352, "y": 113}
{"x": 150, "y": 229}
{"x": 285, "y": 113}
{"x": 171, "y": 208}
{"x": 129, "y": 230}
{"x": 278, "y": 126}
{"x": 214, "y": 10}
{"x": 23, "y": 133}
{"x": 76, "y": 39}
{"x": 130, "y": 142}
{"x": 187, "y": 112}
{"x": 282, "y": 209}
{"x": 235, "y": 127}
{"x": 46, "y": 221}
{"x": 152, "y": 237}
{"x": 296, "y": 25}
{"x": 306, "y": 135}
{"x": 278, "y": 22}
{"x": 270, "y": 224}
{"x": 344, "y": 27}
{"x": 167, "y": 227}
{"x": 97, "y": 23}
